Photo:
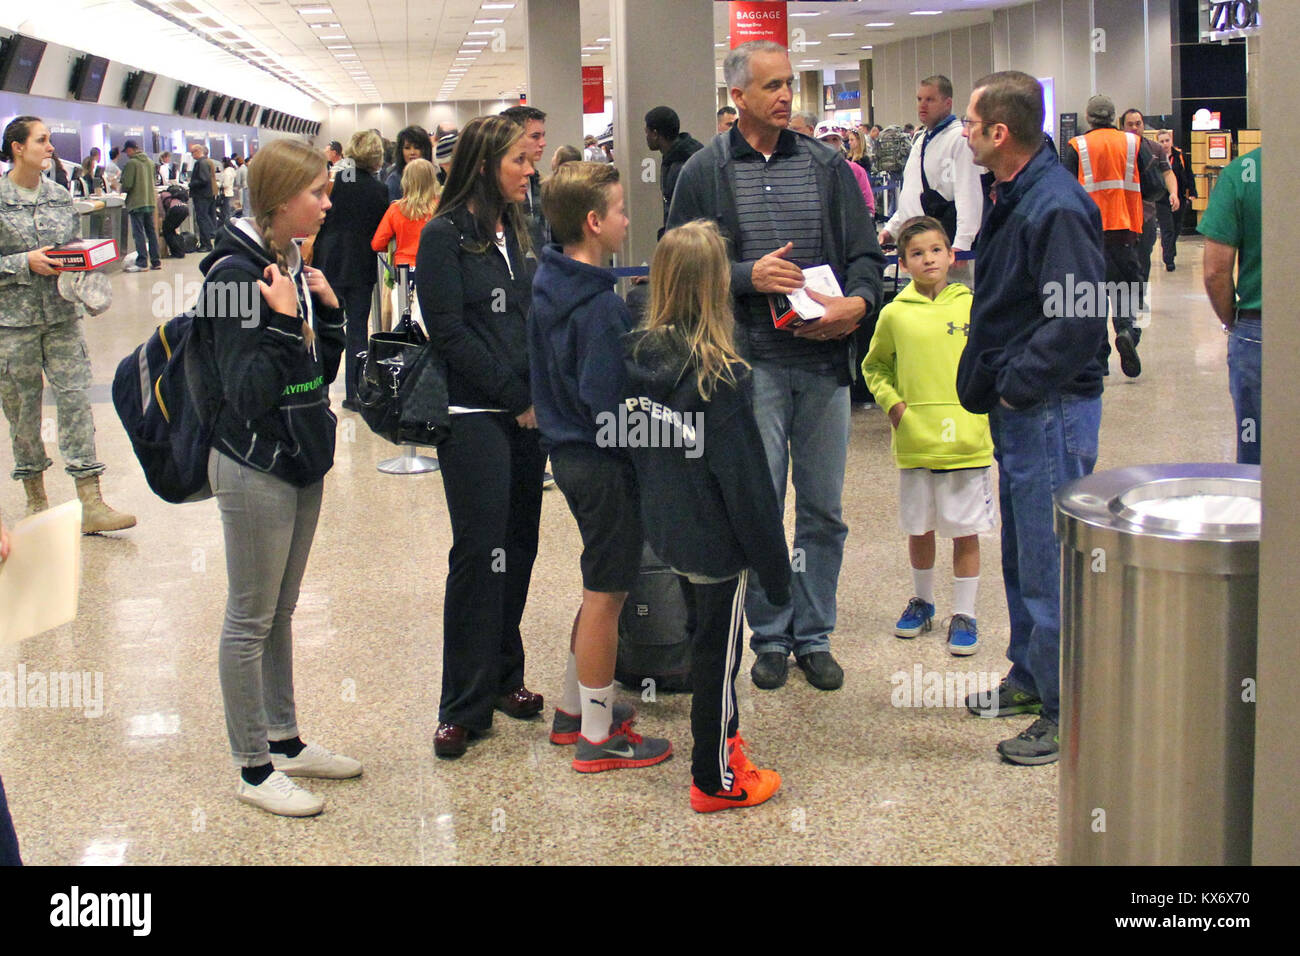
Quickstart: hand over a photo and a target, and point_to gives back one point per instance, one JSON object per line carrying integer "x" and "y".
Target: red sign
{"x": 593, "y": 89}
{"x": 758, "y": 20}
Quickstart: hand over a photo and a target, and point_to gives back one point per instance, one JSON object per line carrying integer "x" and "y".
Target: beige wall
{"x": 1050, "y": 38}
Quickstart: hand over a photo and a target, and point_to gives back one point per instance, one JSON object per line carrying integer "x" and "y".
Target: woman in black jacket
{"x": 475, "y": 287}
{"x": 343, "y": 250}
{"x": 270, "y": 331}
{"x": 412, "y": 143}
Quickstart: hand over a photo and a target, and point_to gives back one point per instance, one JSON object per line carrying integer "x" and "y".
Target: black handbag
{"x": 402, "y": 387}
{"x": 934, "y": 205}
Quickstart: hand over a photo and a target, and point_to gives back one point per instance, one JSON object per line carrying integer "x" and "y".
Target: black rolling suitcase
{"x": 653, "y": 630}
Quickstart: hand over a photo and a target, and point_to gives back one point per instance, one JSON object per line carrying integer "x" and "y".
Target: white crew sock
{"x": 923, "y": 583}
{"x": 963, "y": 595}
{"x": 597, "y": 712}
{"x": 571, "y": 700}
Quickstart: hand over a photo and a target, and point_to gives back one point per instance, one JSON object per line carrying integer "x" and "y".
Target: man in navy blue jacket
{"x": 1031, "y": 363}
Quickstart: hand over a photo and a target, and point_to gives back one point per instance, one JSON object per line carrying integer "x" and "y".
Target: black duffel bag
{"x": 402, "y": 388}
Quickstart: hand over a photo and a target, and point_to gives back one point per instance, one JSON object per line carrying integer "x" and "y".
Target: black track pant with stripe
{"x": 716, "y": 621}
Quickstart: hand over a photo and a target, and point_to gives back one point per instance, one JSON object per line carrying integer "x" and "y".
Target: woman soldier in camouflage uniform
{"x": 40, "y": 331}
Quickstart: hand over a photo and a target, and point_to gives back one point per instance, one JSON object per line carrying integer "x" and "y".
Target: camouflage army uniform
{"x": 40, "y": 331}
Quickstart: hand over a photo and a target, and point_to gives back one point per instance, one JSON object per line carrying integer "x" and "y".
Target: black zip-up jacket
{"x": 709, "y": 509}
{"x": 706, "y": 189}
{"x": 476, "y": 313}
{"x": 275, "y": 415}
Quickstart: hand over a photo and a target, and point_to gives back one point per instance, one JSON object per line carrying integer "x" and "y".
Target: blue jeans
{"x": 1038, "y": 449}
{"x": 8, "y": 839}
{"x": 1245, "y": 345}
{"x": 803, "y": 418}
{"x": 146, "y": 237}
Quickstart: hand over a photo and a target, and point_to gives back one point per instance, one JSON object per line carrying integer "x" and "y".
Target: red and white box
{"x": 84, "y": 254}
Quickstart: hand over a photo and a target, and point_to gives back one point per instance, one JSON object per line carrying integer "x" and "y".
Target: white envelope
{"x": 40, "y": 580}
{"x": 820, "y": 279}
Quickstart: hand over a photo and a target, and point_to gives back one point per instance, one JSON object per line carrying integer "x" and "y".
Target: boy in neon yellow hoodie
{"x": 944, "y": 453}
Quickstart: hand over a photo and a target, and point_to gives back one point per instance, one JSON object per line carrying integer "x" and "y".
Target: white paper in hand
{"x": 40, "y": 580}
{"x": 820, "y": 279}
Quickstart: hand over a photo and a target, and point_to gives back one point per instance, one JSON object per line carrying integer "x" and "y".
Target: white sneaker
{"x": 133, "y": 267}
{"x": 315, "y": 761}
{"x": 278, "y": 794}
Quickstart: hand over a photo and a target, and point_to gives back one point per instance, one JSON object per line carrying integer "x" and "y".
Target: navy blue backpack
{"x": 168, "y": 407}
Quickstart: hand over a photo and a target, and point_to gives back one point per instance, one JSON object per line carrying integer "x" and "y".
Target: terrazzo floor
{"x": 149, "y": 780}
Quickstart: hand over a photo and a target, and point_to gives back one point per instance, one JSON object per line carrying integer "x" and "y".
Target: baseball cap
{"x": 826, "y": 128}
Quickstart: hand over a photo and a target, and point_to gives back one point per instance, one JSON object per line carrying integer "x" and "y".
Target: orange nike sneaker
{"x": 737, "y": 759}
{"x": 749, "y": 788}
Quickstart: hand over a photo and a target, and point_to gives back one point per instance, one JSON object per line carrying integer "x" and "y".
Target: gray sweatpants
{"x": 269, "y": 525}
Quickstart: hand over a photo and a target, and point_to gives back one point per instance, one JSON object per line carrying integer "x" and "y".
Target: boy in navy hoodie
{"x": 576, "y": 361}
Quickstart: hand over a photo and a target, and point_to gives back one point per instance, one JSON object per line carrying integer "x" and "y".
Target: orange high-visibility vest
{"x": 1108, "y": 170}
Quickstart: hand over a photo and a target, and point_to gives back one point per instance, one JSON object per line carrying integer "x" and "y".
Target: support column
{"x": 1277, "y": 713}
{"x": 663, "y": 56}
{"x": 555, "y": 71}
{"x": 810, "y": 93}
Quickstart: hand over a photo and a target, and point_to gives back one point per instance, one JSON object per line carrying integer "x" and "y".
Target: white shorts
{"x": 953, "y": 503}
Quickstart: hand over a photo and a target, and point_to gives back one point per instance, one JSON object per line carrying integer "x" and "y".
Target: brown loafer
{"x": 521, "y": 703}
{"x": 450, "y": 740}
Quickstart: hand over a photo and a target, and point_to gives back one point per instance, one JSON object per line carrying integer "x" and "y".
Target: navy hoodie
{"x": 275, "y": 415}
{"x": 709, "y": 509}
{"x": 574, "y": 350}
{"x": 1041, "y": 240}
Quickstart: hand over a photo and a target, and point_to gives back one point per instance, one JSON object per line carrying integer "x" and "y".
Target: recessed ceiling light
{"x": 479, "y": 33}
{"x": 864, "y": 48}
{"x": 881, "y": 25}
{"x": 812, "y": 42}
{"x": 342, "y": 55}
{"x": 338, "y": 46}
{"x": 489, "y": 20}
{"x": 926, "y": 13}
{"x": 818, "y": 14}
{"x": 498, "y": 6}
{"x": 315, "y": 11}
{"x": 839, "y": 34}
{"x": 474, "y": 43}
{"x": 604, "y": 40}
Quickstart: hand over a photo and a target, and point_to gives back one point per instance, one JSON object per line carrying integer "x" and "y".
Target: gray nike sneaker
{"x": 1006, "y": 702}
{"x": 1038, "y": 744}
{"x": 622, "y": 749}
{"x": 566, "y": 728}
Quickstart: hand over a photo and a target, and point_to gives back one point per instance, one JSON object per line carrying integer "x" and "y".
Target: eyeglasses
{"x": 967, "y": 122}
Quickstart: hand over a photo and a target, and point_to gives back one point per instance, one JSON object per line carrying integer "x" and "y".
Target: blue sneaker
{"x": 963, "y": 636}
{"x": 918, "y": 617}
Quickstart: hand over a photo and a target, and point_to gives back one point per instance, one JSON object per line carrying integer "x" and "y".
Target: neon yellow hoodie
{"x": 913, "y": 358}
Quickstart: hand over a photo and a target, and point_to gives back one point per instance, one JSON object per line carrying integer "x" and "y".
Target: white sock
{"x": 923, "y": 583}
{"x": 963, "y": 595}
{"x": 571, "y": 701}
{"x": 597, "y": 712}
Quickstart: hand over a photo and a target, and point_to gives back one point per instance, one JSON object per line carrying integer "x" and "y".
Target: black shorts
{"x": 601, "y": 490}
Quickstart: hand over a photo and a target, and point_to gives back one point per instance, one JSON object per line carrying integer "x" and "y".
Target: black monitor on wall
{"x": 265, "y": 118}
{"x": 20, "y": 57}
{"x": 202, "y": 104}
{"x": 88, "y": 78}
{"x": 138, "y": 87}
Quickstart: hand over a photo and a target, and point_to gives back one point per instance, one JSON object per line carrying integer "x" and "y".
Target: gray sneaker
{"x": 1040, "y": 743}
{"x": 566, "y": 728}
{"x": 622, "y": 749}
{"x": 1007, "y": 702}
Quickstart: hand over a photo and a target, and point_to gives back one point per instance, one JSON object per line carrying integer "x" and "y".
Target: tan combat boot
{"x": 36, "y": 500}
{"x": 96, "y": 516}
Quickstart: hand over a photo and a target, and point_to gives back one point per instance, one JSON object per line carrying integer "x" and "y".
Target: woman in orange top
{"x": 408, "y": 215}
{"x": 404, "y": 220}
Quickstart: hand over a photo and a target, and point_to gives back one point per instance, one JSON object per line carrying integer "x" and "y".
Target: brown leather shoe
{"x": 450, "y": 740}
{"x": 521, "y": 703}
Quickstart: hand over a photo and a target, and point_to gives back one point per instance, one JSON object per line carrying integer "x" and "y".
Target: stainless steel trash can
{"x": 1159, "y": 592}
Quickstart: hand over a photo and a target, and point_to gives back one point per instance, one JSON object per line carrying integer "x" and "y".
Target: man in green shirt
{"x": 1233, "y": 237}
{"x": 141, "y": 199}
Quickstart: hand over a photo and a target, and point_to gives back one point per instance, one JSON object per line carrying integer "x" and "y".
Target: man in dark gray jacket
{"x": 785, "y": 202}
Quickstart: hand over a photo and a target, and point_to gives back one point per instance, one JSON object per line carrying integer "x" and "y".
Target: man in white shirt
{"x": 950, "y": 172}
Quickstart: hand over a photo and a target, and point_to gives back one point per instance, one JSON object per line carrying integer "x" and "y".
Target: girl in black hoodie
{"x": 475, "y": 287}
{"x": 272, "y": 332}
{"x": 707, "y": 502}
